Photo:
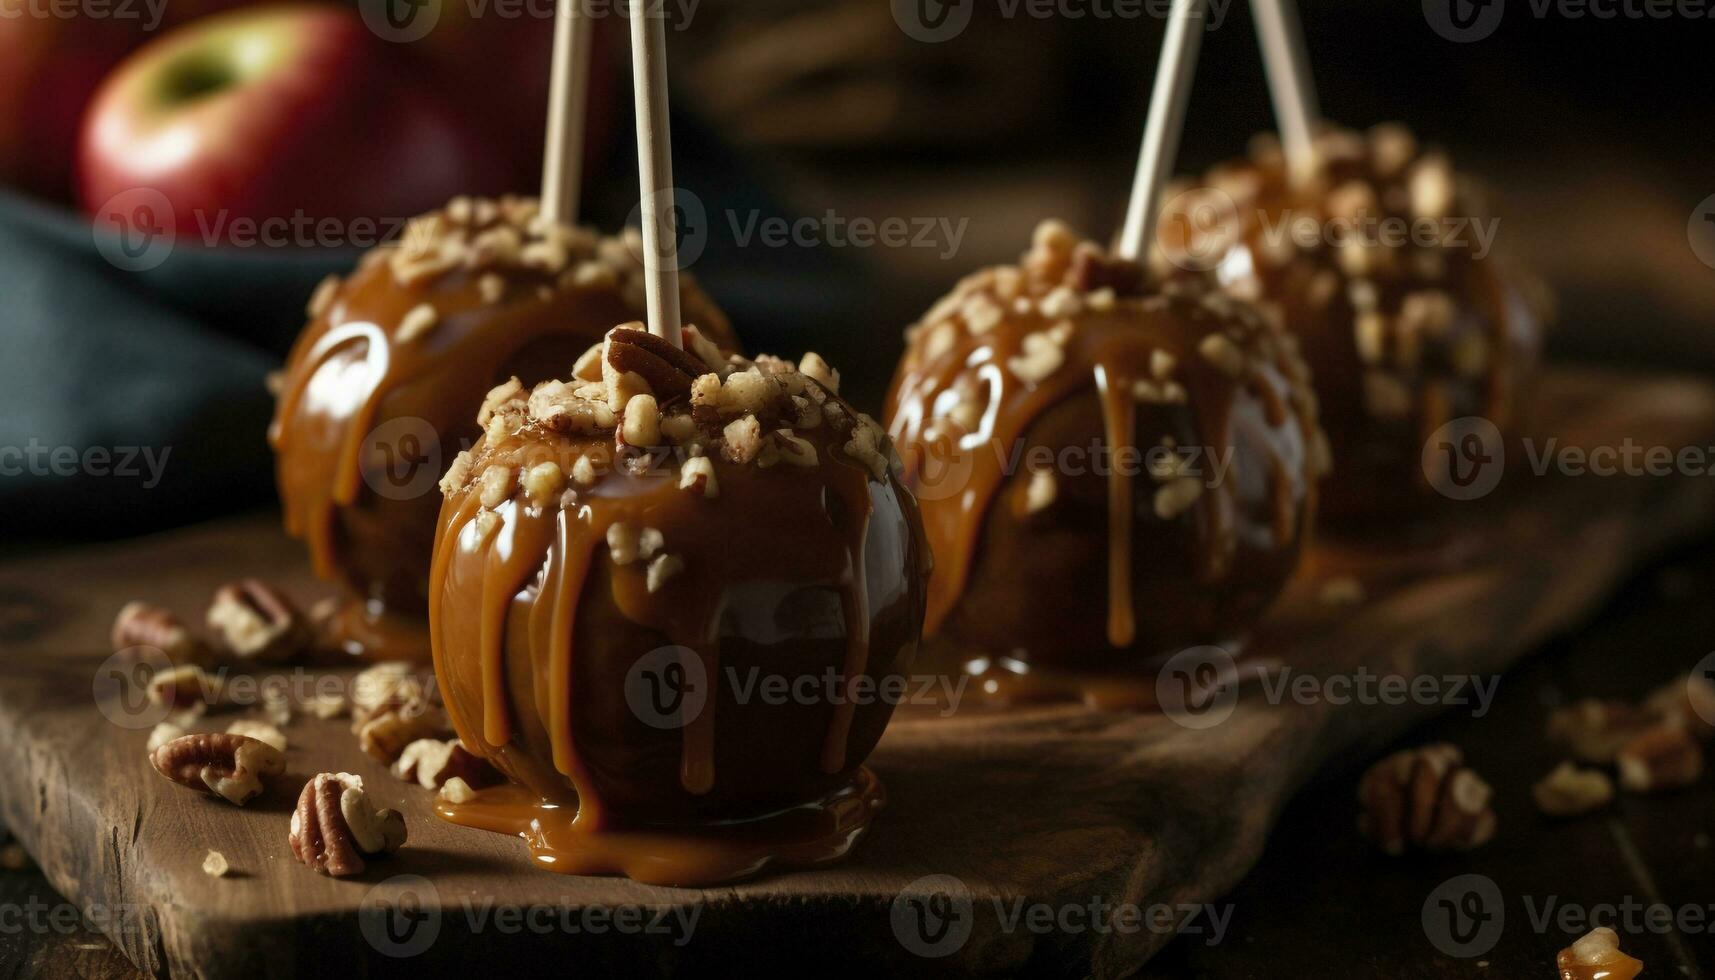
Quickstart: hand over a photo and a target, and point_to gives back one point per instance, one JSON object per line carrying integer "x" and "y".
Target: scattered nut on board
{"x": 229, "y": 766}
{"x": 1425, "y": 799}
{"x": 431, "y": 762}
{"x": 1660, "y": 759}
{"x": 255, "y": 621}
{"x": 215, "y": 865}
{"x": 1569, "y": 791}
{"x": 146, "y": 625}
{"x": 1597, "y": 956}
{"x": 336, "y": 825}
{"x": 1595, "y": 731}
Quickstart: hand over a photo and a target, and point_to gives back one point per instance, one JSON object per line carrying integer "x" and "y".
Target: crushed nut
{"x": 1425, "y": 798}
{"x": 419, "y": 320}
{"x": 1569, "y": 791}
{"x": 229, "y": 766}
{"x": 662, "y": 570}
{"x": 543, "y": 483}
{"x": 336, "y": 825}
{"x": 642, "y": 425}
{"x": 1041, "y": 357}
{"x": 812, "y": 366}
{"x": 698, "y": 476}
{"x": 506, "y": 395}
{"x": 495, "y": 486}
{"x": 1040, "y": 493}
{"x": 456, "y": 791}
{"x": 742, "y": 438}
{"x": 795, "y": 450}
{"x": 215, "y": 865}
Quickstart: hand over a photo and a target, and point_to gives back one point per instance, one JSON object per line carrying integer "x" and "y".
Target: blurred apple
{"x": 276, "y": 113}
{"x": 50, "y": 65}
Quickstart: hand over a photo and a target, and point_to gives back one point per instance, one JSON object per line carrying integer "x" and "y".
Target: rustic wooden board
{"x": 1054, "y": 805}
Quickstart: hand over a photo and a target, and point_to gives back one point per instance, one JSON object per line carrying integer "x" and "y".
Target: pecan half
{"x": 255, "y": 621}
{"x": 668, "y": 369}
{"x": 336, "y": 825}
{"x": 144, "y": 624}
{"x": 430, "y": 762}
{"x": 1425, "y": 798}
{"x": 229, "y": 766}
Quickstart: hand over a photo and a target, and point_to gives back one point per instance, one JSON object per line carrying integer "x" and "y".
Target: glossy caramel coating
{"x": 569, "y": 557}
{"x": 381, "y": 387}
{"x": 1048, "y": 414}
{"x": 1408, "y": 324}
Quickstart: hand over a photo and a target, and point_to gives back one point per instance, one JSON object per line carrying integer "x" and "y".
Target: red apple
{"x": 49, "y": 67}
{"x": 274, "y": 114}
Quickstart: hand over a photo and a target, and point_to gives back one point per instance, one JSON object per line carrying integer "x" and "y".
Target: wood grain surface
{"x": 1058, "y": 807}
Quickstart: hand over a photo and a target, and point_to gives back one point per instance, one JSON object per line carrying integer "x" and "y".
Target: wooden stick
{"x": 568, "y": 99}
{"x": 655, "y": 172}
{"x": 1166, "y": 121}
{"x": 1286, "y": 59}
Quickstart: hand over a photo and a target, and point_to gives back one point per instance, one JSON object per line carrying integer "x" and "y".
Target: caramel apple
{"x": 1109, "y": 469}
{"x": 1381, "y": 263}
{"x": 627, "y": 563}
{"x": 380, "y": 389}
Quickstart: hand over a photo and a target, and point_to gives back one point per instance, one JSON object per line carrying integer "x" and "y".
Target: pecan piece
{"x": 430, "y": 762}
{"x": 385, "y": 735}
{"x": 1661, "y": 758}
{"x": 1425, "y": 798}
{"x": 228, "y": 766}
{"x": 1091, "y": 270}
{"x": 668, "y": 369}
{"x": 255, "y": 621}
{"x": 336, "y": 825}
{"x": 144, "y": 624}
{"x": 1595, "y": 731}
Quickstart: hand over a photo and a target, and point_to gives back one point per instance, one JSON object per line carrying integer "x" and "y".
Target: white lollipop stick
{"x": 1166, "y": 121}
{"x": 1287, "y": 63}
{"x": 655, "y": 172}
{"x": 568, "y": 98}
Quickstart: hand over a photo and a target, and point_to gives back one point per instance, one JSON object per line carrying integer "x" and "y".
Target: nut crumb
{"x": 215, "y": 865}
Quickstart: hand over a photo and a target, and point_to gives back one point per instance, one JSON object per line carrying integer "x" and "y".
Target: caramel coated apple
{"x": 1385, "y": 268}
{"x": 381, "y": 387}
{"x": 669, "y": 597}
{"x": 1109, "y": 471}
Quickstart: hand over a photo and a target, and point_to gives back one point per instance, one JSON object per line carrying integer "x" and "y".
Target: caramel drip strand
{"x": 446, "y": 546}
{"x": 854, "y": 602}
{"x": 496, "y": 726}
{"x": 1119, "y": 418}
{"x": 697, "y": 746}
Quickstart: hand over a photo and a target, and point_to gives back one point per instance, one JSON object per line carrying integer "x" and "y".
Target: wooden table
{"x": 1057, "y": 807}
